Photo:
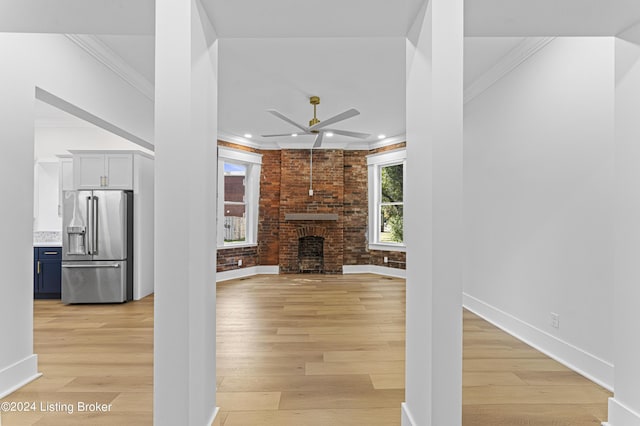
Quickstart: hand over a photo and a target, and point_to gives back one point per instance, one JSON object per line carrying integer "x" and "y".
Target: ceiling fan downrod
{"x": 314, "y": 100}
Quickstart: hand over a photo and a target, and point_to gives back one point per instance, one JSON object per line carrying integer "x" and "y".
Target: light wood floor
{"x": 90, "y": 353}
{"x": 299, "y": 350}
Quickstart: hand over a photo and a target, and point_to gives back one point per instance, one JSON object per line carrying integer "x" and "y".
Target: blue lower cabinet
{"x": 47, "y": 272}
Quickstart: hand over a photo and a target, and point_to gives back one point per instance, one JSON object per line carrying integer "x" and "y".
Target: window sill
{"x": 239, "y": 245}
{"x": 387, "y": 247}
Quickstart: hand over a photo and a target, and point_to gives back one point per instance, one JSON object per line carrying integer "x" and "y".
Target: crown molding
{"x": 521, "y": 53}
{"x": 305, "y": 143}
{"x": 229, "y": 137}
{"x": 388, "y": 141}
{"x": 105, "y": 55}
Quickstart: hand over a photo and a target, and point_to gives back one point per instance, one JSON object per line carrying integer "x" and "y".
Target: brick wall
{"x": 269, "y": 214}
{"x": 356, "y": 208}
{"x": 340, "y": 187}
{"x": 227, "y": 259}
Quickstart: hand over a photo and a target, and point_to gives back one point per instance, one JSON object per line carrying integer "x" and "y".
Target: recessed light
{"x": 329, "y": 134}
{"x": 294, "y": 134}
{"x": 248, "y": 135}
{"x": 382, "y": 136}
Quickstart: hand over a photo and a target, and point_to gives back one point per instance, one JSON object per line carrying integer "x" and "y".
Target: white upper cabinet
{"x": 119, "y": 171}
{"x": 102, "y": 171}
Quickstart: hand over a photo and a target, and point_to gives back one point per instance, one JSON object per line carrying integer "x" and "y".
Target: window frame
{"x": 253, "y": 163}
{"x": 375, "y": 163}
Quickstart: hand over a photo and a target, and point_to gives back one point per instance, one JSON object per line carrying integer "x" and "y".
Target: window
{"x": 386, "y": 200}
{"x": 238, "y": 197}
{"x": 235, "y": 208}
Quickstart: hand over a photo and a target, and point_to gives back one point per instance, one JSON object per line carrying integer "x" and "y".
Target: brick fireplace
{"x": 311, "y": 254}
{"x": 319, "y": 215}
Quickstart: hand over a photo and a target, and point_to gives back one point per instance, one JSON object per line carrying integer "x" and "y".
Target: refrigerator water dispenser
{"x": 76, "y": 235}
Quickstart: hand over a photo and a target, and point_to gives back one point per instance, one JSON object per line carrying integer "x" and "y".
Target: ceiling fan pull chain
{"x": 311, "y": 172}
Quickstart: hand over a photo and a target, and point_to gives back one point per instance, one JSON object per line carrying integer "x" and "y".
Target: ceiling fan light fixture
{"x": 317, "y": 128}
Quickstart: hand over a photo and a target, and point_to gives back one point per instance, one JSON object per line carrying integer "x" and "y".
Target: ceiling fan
{"x": 318, "y": 128}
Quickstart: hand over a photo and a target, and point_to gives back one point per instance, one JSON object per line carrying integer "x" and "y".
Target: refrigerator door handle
{"x": 89, "y": 235}
{"x": 115, "y": 265}
{"x": 94, "y": 227}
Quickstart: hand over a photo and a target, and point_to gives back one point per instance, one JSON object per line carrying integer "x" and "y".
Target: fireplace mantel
{"x": 311, "y": 216}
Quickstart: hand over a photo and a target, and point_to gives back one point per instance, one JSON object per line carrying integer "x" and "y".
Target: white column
{"x": 185, "y": 135}
{"x": 624, "y": 407}
{"x": 434, "y": 217}
{"x": 18, "y": 364}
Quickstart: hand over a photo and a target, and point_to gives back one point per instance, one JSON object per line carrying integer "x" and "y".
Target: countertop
{"x": 47, "y": 244}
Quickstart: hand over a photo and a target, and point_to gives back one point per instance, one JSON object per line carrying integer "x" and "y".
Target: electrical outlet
{"x": 311, "y": 193}
{"x": 239, "y": 262}
{"x": 385, "y": 259}
{"x": 555, "y": 320}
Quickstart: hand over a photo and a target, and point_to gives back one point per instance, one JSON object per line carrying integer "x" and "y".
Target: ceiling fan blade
{"x": 283, "y": 134}
{"x": 318, "y": 140}
{"x": 342, "y": 116}
{"x": 348, "y": 133}
{"x": 287, "y": 119}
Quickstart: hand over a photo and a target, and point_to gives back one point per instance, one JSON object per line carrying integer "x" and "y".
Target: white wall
{"x": 60, "y": 67}
{"x": 143, "y": 226}
{"x": 624, "y": 407}
{"x": 538, "y": 194}
{"x": 51, "y": 141}
{"x": 433, "y": 390}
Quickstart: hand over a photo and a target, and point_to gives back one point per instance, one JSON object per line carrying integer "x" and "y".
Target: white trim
{"x": 375, "y": 163}
{"x": 105, "y": 55}
{"x": 406, "y": 417}
{"x": 387, "y": 157}
{"x": 374, "y": 269}
{"x": 18, "y": 374}
{"x": 212, "y": 419}
{"x": 253, "y": 163}
{"x": 522, "y": 52}
{"x": 387, "y": 247}
{"x": 621, "y": 415}
{"x": 239, "y": 155}
{"x": 246, "y": 272}
{"x": 110, "y": 151}
{"x": 237, "y": 245}
{"x": 577, "y": 359}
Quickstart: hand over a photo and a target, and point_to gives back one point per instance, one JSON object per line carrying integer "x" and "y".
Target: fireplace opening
{"x": 311, "y": 254}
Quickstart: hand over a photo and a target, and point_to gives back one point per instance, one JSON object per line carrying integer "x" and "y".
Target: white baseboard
{"x": 275, "y": 270}
{"x": 621, "y": 415}
{"x": 582, "y": 362}
{"x": 212, "y": 420}
{"x": 374, "y": 269}
{"x": 406, "y": 417}
{"x": 19, "y": 374}
{"x": 247, "y": 272}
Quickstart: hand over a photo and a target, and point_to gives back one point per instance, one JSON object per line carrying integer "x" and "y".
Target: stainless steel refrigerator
{"x": 97, "y": 246}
